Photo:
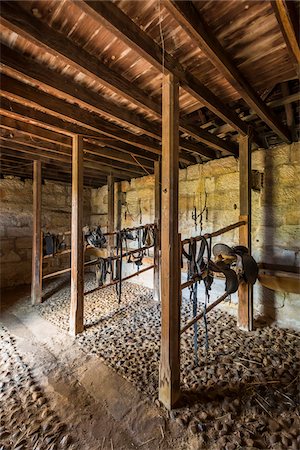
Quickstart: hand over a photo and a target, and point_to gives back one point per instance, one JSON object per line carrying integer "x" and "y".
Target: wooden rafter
{"x": 18, "y": 22}
{"x": 14, "y": 107}
{"x": 288, "y": 21}
{"x": 193, "y": 23}
{"x": 120, "y": 24}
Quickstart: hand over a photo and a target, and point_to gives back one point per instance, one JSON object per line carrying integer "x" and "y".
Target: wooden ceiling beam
{"x": 89, "y": 149}
{"x": 15, "y": 158}
{"x": 92, "y": 120}
{"x": 16, "y": 21}
{"x": 13, "y": 125}
{"x": 16, "y": 108}
{"x": 121, "y": 172}
{"x": 16, "y": 18}
{"x": 59, "y": 84}
{"x": 194, "y": 25}
{"x": 113, "y": 18}
{"x": 288, "y": 20}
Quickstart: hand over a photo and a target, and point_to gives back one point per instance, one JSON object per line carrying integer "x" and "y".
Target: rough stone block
{"x": 220, "y": 166}
{"x": 19, "y": 231}
{"x": 193, "y": 172}
{"x": 182, "y": 174}
{"x": 227, "y": 182}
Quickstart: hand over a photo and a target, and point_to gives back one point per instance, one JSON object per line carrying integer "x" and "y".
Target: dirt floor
{"x": 99, "y": 390}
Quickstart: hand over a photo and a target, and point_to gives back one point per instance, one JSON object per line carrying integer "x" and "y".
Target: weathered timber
{"x": 194, "y": 24}
{"x": 157, "y": 221}
{"x": 169, "y": 373}
{"x": 245, "y": 291}
{"x": 36, "y": 283}
{"x": 77, "y": 260}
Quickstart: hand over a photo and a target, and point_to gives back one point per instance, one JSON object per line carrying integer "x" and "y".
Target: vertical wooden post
{"x": 169, "y": 374}
{"x": 111, "y": 216}
{"x": 245, "y": 292}
{"x": 77, "y": 262}
{"x": 36, "y": 284}
{"x": 119, "y": 205}
{"x": 157, "y": 221}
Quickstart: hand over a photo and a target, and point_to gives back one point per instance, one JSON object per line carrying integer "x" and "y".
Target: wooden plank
{"x": 14, "y": 126}
{"x": 169, "y": 373}
{"x": 15, "y": 107}
{"x": 195, "y": 26}
{"x": 111, "y": 216}
{"x": 103, "y": 166}
{"x": 77, "y": 261}
{"x": 157, "y": 221}
{"x": 245, "y": 291}
{"x": 120, "y": 24}
{"x": 57, "y": 83}
{"x": 26, "y": 25}
{"x": 37, "y": 243}
{"x": 288, "y": 20}
{"x": 127, "y": 117}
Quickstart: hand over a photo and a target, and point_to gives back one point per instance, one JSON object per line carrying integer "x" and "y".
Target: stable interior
{"x": 149, "y": 244}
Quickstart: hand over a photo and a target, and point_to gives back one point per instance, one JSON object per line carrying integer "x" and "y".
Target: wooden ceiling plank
{"x": 121, "y": 25}
{"x": 32, "y": 131}
{"x": 89, "y": 149}
{"x": 193, "y": 23}
{"x": 18, "y": 20}
{"x": 288, "y": 20}
{"x": 52, "y": 38}
{"x": 59, "y": 83}
{"x": 120, "y": 172}
{"x": 14, "y": 108}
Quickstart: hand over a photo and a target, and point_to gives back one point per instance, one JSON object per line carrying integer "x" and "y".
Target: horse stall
{"x": 149, "y": 225}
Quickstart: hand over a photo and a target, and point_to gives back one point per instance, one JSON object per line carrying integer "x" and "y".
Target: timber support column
{"x": 157, "y": 221}
{"x": 169, "y": 373}
{"x": 36, "y": 284}
{"x": 245, "y": 292}
{"x": 77, "y": 261}
{"x": 111, "y": 216}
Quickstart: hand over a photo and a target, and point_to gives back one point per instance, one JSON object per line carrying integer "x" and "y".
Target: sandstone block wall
{"x": 16, "y": 225}
{"x": 276, "y": 215}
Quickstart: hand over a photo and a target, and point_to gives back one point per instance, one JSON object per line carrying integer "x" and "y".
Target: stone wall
{"x": 16, "y": 225}
{"x": 276, "y": 214}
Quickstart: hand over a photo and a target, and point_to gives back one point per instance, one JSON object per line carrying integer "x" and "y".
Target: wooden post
{"x": 169, "y": 374}
{"x": 77, "y": 262}
{"x": 157, "y": 221}
{"x": 36, "y": 284}
{"x": 111, "y": 216}
{"x": 119, "y": 205}
{"x": 245, "y": 292}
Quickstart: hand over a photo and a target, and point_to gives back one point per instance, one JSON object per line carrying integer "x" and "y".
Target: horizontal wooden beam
{"x": 89, "y": 149}
{"x": 14, "y": 107}
{"x": 195, "y": 26}
{"x": 120, "y": 173}
{"x": 44, "y": 75}
{"x": 14, "y": 126}
{"x": 288, "y": 20}
{"x": 16, "y": 18}
{"x": 120, "y": 24}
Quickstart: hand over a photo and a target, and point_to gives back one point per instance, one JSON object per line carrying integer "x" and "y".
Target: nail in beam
{"x": 157, "y": 221}
{"x": 111, "y": 216}
{"x": 169, "y": 373}
{"x": 77, "y": 262}
{"x": 36, "y": 284}
{"x": 245, "y": 292}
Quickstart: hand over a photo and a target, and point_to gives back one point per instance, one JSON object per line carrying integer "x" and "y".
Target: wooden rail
{"x": 112, "y": 283}
{"x": 199, "y": 316}
{"x": 215, "y": 233}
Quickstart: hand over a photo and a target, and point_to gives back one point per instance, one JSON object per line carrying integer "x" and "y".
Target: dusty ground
{"x": 243, "y": 394}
